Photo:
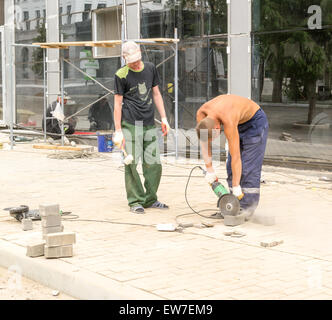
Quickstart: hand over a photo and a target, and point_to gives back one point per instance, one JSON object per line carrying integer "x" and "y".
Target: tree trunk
{"x": 277, "y": 87}
{"x": 311, "y": 93}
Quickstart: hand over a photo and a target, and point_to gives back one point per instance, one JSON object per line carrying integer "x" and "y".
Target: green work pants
{"x": 141, "y": 142}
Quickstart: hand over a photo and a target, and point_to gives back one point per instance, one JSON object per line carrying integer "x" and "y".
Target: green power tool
{"x": 227, "y": 202}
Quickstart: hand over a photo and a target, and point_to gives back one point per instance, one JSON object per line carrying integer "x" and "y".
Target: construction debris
{"x": 27, "y": 224}
{"x": 271, "y": 243}
{"x": 235, "y": 234}
{"x": 287, "y": 137}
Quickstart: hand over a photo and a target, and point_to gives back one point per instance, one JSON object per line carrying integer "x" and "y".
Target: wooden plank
{"x": 108, "y": 43}
{"x": 66, "y": 148}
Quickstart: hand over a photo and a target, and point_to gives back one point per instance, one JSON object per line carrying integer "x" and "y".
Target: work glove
{"x": 118, "y": 138}
{"x": 165, "y": 126}
{"x": 237, "y": 192}
{"x": 210, "y": 177}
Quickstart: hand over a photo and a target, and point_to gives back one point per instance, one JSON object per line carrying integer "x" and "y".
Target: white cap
{"x": 131, "y": 52}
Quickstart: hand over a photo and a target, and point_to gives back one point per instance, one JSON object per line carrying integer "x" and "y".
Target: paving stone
{"x": 60, "y": 239}
{"x": 27, "y": 224}
{"x": 49, "y": 210}
{"x": 50, "y": 230}
{"x": 58, "y": 252}
{"x": 35, "y": 249}
{"x": 51, "y": 221}
{"x": 233, "y": 221}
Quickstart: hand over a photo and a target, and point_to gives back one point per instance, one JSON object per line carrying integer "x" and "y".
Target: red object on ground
{"x": 85, "y": 133}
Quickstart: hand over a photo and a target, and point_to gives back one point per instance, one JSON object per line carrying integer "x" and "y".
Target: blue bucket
{"x": 105, "y": 143}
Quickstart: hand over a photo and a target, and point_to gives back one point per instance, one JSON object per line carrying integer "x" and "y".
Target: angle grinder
{"x": 227, "y": 202}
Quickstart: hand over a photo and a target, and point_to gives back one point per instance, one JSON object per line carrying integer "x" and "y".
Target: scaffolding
{"x": 172, "y": 43}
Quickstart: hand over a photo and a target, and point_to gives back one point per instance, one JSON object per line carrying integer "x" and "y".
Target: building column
{"x": 53, "y": 55}
{"x": 239, "y": 47}
{"x": 10, "y": 79}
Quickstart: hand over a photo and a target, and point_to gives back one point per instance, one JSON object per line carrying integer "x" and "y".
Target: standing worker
{"x": 135, "y": 86}
{"x": 246, "y": 128}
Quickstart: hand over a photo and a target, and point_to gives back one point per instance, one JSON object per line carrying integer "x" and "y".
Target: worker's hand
{"x": 237, "y": 191}
{"x": 165, "y": 126}
{"x": 118, "y": 138}
{"x": 210, "y": 177}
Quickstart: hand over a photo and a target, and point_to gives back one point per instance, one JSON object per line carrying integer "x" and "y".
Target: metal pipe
{"x": 45, "y": 96}
{"x": 176, "y": 79}
{"x": 62, "y": 100}
{"x": 139, "y": 18}
{"x": 78, "y": 69}
{"x": 12, "y": 100}
{"x": 88, "y": 106}
{"x": 25, "y": 45}
{"x": 124, "y": 14}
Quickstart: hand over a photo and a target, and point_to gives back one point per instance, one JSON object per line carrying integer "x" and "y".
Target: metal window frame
{"x": 3, "y": 75}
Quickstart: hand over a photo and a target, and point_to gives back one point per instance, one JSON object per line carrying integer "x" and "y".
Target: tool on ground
{"x": 23, "y": 212}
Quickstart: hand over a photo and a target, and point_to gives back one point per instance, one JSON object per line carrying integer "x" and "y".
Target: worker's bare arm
{"x": 117, "y": 111}
{"x": 232, "y": 135}
{"x": 158, "y": 100}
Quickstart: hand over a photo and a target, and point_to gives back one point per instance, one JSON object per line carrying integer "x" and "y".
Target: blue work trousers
{"x": 253, "y": 137}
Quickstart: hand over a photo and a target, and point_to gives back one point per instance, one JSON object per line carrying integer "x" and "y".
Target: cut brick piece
{"x": 35, "y": 249}
{"x": 49, "y": 210}
{"x": 271, "y": 243}
{"x": 51, "y": 221}
{"x": 233, "y": 221}
{"x": 27, "y": 224}
{"x": 58, "y": 252}
{"x": 60, "y": 239}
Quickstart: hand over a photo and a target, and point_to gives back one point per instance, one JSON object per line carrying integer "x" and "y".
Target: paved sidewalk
{"x": 197, "y": 263}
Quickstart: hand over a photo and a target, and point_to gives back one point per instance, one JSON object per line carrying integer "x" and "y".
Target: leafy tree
{"x": 304, "y": 56}
{"x": 37, "y": 55}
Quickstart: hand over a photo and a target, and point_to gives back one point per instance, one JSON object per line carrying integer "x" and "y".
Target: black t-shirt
{"x": 136, "y": 89}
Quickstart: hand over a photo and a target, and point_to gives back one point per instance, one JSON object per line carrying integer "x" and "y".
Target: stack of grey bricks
{"x": 51, "y": 219}
{"x": 55, "y": 243}
{"x": 59, "y": 245}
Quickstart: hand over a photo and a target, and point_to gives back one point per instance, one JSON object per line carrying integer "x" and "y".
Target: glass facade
{"x": 29, "y": 28}
{"x": 291, "y": 62}
{"x": 202, "y": 28}
{"x": 292, "y": 72}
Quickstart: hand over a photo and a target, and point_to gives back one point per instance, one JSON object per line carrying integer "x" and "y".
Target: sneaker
{"x": 159, "y": 205}
{"x": 137, "y": 209}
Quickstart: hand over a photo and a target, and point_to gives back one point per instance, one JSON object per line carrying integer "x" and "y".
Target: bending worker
{"x": 136, "y": 85}
{"x": 246, "y": 128}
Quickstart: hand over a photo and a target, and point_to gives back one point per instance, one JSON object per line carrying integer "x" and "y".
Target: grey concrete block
{"x": 49, "y": 210}
{"x": 233, "y": 221}
{"x": 58, "y": 252}
{"x": 27, "y": 224}
{"x": 271, "y": 243}
{"x": 51, "y": 221}
{"x": 60, "y": 239}
{"x": 35, "y": 249}
{"x": 266, "y": 220}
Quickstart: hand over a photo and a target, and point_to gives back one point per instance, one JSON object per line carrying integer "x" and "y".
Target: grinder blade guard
{"x": 227, "y": 202}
